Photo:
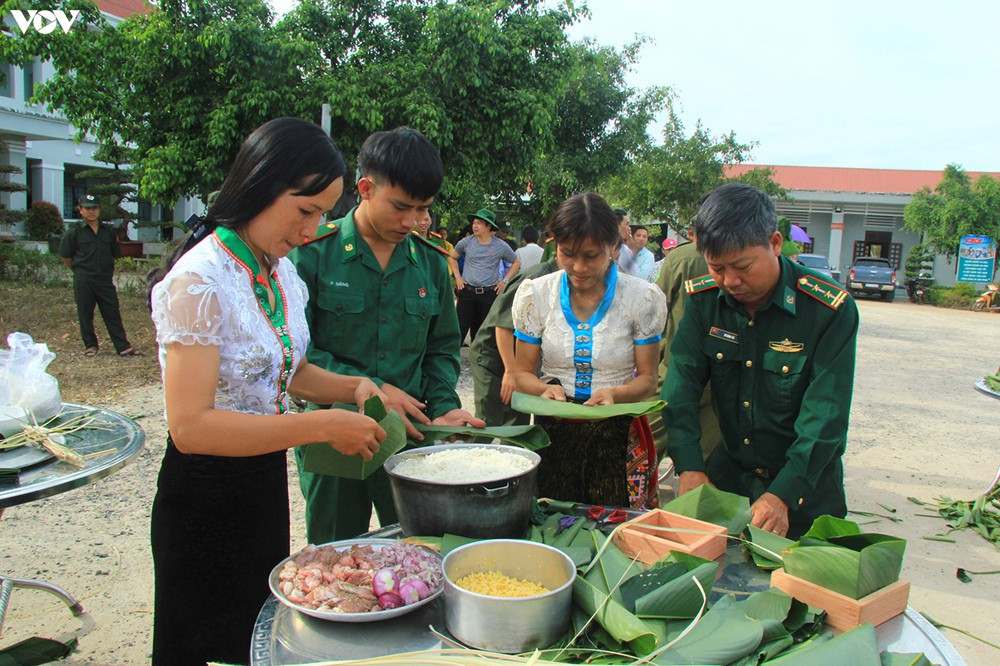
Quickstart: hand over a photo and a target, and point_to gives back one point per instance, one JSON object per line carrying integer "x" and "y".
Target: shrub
{"x": 44, "y": 222}
{"x": 20, "y": 264}
{"x": 960, "y": 297}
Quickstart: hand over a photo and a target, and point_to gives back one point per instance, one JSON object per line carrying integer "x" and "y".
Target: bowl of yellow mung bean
{"x": 508, "y": 595}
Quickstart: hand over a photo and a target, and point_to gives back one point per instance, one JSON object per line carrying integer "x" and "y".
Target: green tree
{"x": 666, "y": 181}
{"x": 956, "y": 207}
{"x": 115, "y": 185}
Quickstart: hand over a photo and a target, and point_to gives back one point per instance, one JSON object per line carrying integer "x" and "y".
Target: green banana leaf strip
{"x": 900, "y": 659}
{"x": 765, "y": 651}
{"x": 642, "y": 636}
{"x": 568, "y": 535}
{"x": 769, "y": 541}
{"x": 770, "y": 604}
{"x": 613, "y": 569}
{"x": 450, "y": 542}
{"x": 723, "y": 635}
{"x": 530, "y": 437}
{"x": 323, "y": 459}
{"x": 533, "y": 404}
{"x": 375, "y": 408}
{"x": 826, "y": 527}
{"x": 807, "y": 643}
{"x": 36, "y": 650}
{"x": 841, "y": 568}
{"x": 643, "y": 583}
{"x": 714, "y": 506}
{"x": 678, "y": 597}
{"x": 858, "y": 647}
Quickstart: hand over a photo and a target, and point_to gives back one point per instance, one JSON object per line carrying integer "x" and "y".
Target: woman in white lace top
{"x": 596, "y": 332}
{"x": 232, "y": 342}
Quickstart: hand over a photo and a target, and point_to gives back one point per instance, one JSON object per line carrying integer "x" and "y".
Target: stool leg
{"x": 75, "y": 607}
{"x": 6, "y": 587}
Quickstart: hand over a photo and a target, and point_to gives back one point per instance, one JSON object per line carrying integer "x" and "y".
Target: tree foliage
{"x": 956, "y": 207}
{"x": 667, "y": 181}
{"x": 495, "y": 84}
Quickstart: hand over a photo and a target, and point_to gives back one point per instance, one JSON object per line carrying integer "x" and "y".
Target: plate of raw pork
{"x": 358, "y": 580}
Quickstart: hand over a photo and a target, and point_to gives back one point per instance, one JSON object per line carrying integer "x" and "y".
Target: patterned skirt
{"x": 609, "y": 462}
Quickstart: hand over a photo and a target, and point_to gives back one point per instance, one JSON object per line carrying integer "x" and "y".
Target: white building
{"x": 42, "y": 143}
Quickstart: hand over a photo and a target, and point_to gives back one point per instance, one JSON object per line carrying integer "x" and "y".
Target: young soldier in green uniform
{"x": 777, "y": 342}
{"x": 381, "y": 306}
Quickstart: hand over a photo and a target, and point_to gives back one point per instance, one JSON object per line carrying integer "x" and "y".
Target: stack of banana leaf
{"x": 626, "y": 613}
{"x": 993, "y": 381}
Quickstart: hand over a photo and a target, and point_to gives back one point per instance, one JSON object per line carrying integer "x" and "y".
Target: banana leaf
{"x": 713, "y": 506}
{"x": 769, "y": 604}
{"x": 450, "y": 542}
{"x": 770, "y": 545}
{"x": 611, "y": 570}
{"x": 858, "y": 647}
{"x": 899, "y": 659}
{"x": 827, "y": 527}
{"x": 322, "y": 458}
{"x": 642, "y": 636}
{"x": 854, "y": 565}
{"x": 723, "y": 635}
{"x": 533, "y": 404}
{"x": 667, "y": 590}
{"x": 530, "y": 437}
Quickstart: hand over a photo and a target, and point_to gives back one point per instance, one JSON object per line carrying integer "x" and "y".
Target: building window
{"x": 5, "y": 82}
{"x": 29, "y": 81}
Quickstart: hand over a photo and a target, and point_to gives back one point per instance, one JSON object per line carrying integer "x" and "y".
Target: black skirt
{"x": 586, "y": 461}
{"x": 219, "y": 525}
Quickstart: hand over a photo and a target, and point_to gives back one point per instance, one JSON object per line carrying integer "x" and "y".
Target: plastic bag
{"x": 24, "y": 382}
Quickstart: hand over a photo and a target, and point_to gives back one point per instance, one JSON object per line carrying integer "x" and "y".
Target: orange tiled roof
{"x": 838, "y": 179}
{"x": 124, "y": 8}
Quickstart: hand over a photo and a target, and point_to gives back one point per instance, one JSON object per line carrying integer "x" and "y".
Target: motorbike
{"x": 989, "y": 301}
{"x": 916, "y": 288}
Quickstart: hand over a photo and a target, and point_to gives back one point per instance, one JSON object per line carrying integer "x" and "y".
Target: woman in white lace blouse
{"x": 232, "y": 343}
{"x": 596, "y": 331}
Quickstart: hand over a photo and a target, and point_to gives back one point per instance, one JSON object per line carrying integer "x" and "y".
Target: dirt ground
{"x": 919, "y": 428}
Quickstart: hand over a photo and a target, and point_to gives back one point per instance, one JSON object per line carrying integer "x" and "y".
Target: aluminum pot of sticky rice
{"x": 483, "y": 491}
{"x": 507, "y": 595}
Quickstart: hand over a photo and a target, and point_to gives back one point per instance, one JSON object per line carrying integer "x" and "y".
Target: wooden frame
{"x": 842, "y": 612}
{"x": 638, "y": 537}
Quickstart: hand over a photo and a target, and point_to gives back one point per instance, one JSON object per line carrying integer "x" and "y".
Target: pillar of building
{"x": 47, "y": 182}
{"x": 836, "y": 237}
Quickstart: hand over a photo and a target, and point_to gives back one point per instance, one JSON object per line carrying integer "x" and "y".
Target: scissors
{"x": 600, "y": 516}
{"x": 564, "y": 522}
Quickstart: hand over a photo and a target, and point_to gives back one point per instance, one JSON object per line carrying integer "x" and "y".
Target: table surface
{"x": 115, "y": 437}
{"x": 285, "y": 636}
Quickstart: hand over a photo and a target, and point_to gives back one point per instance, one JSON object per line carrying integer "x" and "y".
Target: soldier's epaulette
{"x": 324, "y": 231}
{"x": 429, "y": 244}
{"x": 828, "y": 294}
{"x": 699, "y": 284}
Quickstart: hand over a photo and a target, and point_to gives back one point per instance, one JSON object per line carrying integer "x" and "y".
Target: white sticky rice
{"x": 465, "y": 465}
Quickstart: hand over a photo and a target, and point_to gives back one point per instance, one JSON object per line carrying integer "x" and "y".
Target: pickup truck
{"x": 871, "y": 276}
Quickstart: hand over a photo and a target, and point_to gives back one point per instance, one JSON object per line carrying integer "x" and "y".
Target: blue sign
{"x": 976, "y": 259}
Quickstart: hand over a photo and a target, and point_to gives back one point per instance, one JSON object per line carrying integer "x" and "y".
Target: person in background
{"x": 643, "y": 258}
{"x": 595, "y": 331}
{"x": 491, "y": 354}
{"x": 626, "y": 259}
{"x": 480, "y": 281}
{"x": 682, "y": 264}
{"x": 503, "y": 233}
{"x": 89, "y": 249}
{"x": 381, "y": 307}
{"x": 777, "y": 347}
{"x": 423, "y": 229}
{"x": 531, "y": 252}
{"x": 668, "y": 245}
{"x": 232, "y": 339}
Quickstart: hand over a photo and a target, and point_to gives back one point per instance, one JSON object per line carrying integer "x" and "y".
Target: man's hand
{"x": 601, "y": 397}
{"x": 554, "y": 392}
{"x": 770, "y": 513}
{"x": 459, "y": 283}
{"x": 459, "y": 417}
{"x": 498, "y": 287}
{"x": 507, "y": 387}
{"x": 691, "y": 480}
{"x": 407, "y": 407}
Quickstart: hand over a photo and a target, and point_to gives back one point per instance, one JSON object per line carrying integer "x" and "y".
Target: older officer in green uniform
{"x": 381, "y": 306}
{"x": 777, "y": 342}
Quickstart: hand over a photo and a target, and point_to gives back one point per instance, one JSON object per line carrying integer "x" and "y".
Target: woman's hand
{"x": 601, "y": 397}
{"x": 554, "y": 392}
{"x": 367, "y": 389}
{"x": 353, "y": 434}
{"x": 507, "y": 387}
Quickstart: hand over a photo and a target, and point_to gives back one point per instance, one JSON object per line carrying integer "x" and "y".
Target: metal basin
{"x": 493, "y": 509}
{"x": 509, "y": 624}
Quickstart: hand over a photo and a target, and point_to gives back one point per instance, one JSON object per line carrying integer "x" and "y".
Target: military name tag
{"x": 717, "y": 332}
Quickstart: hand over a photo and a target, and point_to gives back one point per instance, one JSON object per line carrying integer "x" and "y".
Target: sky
{"x": 892, "y": 84}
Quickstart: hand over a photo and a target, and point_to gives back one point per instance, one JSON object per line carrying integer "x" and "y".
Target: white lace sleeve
{"x": 529, "y": 322}
{"x": 650, "y": 315}
{"x": 186, "y": 309}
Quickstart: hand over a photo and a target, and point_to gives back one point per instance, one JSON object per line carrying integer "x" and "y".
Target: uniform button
{"x": 746, "y": 404}
{"x": 750, "y": 323}
{"x": 423, "y": 312}
{"x": 339, "y": 308}
{"x": 801, "y": 501}
{"x": 383, "y": 319}
{"x": 749, "y": 364}
{"x": 746, "y": 442}
{"x": 385, "y": 282}
{"x": 784, "y": 369}
{"x": 381, "y": 357}
{"x": 719, "y": 356}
